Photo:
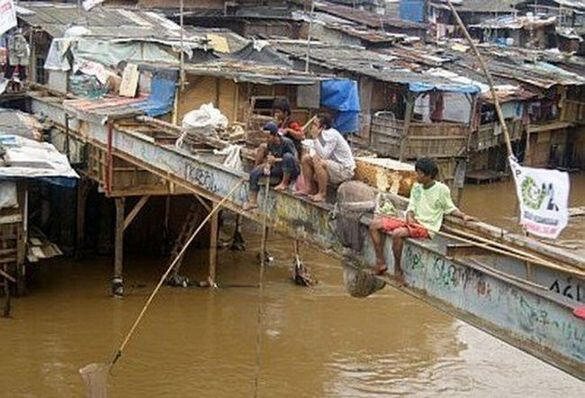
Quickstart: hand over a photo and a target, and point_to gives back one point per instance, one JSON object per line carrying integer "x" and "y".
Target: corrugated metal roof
{"x": 365, "y": 17}
{"x": 101, "y": 21}
{"x": 360, "y": 61}
{"x": 491, "y": 6}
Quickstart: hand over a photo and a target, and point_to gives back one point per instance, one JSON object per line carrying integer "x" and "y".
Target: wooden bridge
{"x": 531, "y": 306}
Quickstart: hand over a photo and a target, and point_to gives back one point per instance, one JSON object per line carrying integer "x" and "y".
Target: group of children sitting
{"x": 326, "y": 157}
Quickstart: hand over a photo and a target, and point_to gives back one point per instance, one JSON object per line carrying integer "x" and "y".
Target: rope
{"x": 168, "y": 271}
{"x": 261, "y": 292}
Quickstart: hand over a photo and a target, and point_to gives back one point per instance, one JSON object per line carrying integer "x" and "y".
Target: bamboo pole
{"x": 168, "y": 271}
{"x": 488, "y": 77}
{"x": 260, "y": 315}
{"x": 507, "y": 252}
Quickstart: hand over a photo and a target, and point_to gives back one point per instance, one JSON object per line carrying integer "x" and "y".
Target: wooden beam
{"x": 135, "y": 210}
{"x": 82, "y": 192}
{"x": 200, "y": 199}
{"x": 213, "y": 248}
{"x": 119, "y": 244}
{"x": 7, "y": 276}
{"x": 410, "y": 99}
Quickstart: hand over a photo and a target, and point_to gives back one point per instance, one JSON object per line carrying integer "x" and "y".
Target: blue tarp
{"x": 412, "y": 10}
{"x": 347, "y": 122}
{"x": 342, "y": 96}
{"x": 162, "y": 95}
{"x": 453, "y": 88}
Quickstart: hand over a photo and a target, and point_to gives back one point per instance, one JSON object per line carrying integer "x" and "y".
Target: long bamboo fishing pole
{"x": 168, "y": 271}
{"x": 507, "y": 252}
{"x": 261, "y": 291}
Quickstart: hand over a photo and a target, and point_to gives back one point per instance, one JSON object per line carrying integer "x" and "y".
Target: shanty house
{"x": 519, "y": 31}
{"x": 110, "y": 35}
{"x": 405, "y": 111}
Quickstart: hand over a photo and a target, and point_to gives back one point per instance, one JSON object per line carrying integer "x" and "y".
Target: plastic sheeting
{"x": 420, "y": 87}
{"x": 342, "y": 95}
{"x": 412, "y": 10}
{"x": 162, "y": 94}
{"x": 347, "y": 122}
{"x": 56, "y": 58}
{"x": 110, "y": 53}
{"x": 27, "y": 158}
{"x": 8, "y": 197}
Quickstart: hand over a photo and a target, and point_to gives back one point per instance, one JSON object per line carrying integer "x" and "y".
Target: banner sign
{"x": 544, "y": 199}
{"x": 7, "y": 16}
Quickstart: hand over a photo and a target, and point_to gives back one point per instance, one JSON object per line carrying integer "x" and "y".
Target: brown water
{"x": 318, "y": 342}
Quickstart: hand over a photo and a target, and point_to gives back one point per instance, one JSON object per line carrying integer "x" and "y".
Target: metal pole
{"x": 309, "y": 36}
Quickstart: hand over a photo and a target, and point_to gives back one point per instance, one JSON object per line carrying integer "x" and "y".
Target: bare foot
{"x": 281, "y": 187}
{"x": 250, "y": 205}
{"x": 399, "y": 276}
{"x": 380, "y": 269}
{"x": 301, "y": 192}
{"x": 317, "y": 198}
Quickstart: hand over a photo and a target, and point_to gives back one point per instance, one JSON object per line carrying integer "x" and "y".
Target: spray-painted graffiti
{"x": 447, "y": 273}
{"x": 412, "y": 258}
{"x": 539, "y": 322}
{"x": 568, "y": 288}
{"x": 531, "y": 318}
{"x": 201, "y": 177}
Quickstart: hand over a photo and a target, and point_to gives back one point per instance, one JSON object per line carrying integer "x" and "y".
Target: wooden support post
{"x": 7, "y": 306}
{"x": 410, "y": 99}
{"x": 135, "y": 210}
{"x": 21, "y": 241}
{"x": 82, "y": 192}
{"x": 213, "y": 248}
{"x": 118, "y": 281}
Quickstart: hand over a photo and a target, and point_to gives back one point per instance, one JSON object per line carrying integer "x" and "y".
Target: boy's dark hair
{"x": 281, "y": 104}
{"x": 427, "y": 166}
{"x": 325, "y": 120}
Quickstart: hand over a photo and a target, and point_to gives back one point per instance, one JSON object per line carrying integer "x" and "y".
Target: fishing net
{"x": 360, "y": 282}
{"x": 95, "y": 379}
{"x": 354, "y": 198}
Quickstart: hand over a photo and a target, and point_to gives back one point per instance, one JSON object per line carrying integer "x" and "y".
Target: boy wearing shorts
{"x": 429, "y": 201}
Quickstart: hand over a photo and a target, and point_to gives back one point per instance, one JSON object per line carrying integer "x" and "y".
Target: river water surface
{"x": 318, "y": 342}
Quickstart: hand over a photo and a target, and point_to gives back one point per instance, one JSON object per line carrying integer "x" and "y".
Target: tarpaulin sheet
{"x": 346, "y": 122}
{"x": 26, "y": 158}
{"x": 412, "y": 10}
{"x": 162, "y": 94}
{"x": 342, "y": 96}
{"x": 454, "y": 88}
{"x": 110, "y": 53}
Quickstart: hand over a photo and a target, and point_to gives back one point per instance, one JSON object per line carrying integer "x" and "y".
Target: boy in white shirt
{"x": 333, "y": 161}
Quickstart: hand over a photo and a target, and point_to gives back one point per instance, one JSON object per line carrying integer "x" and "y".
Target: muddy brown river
{"x": 318, "y": 342}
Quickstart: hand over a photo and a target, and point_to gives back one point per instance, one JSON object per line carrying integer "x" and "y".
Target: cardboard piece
{"x": 129, "y": 83}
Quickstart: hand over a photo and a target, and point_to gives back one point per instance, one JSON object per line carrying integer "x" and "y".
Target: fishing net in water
{"x": 95, "y": 379}
{"x": 360, "y": 283}
{"x": 354, "y": 198}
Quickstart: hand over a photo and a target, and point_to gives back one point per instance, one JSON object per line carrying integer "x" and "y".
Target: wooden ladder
{"x": 187, "y": 230}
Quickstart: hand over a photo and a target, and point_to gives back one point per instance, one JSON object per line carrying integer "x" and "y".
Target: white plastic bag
{"x": 207, "y": 116}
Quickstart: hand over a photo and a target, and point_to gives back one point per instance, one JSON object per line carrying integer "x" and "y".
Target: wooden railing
{"x": 435, "y": 140}
{"x": 573, "y": 111}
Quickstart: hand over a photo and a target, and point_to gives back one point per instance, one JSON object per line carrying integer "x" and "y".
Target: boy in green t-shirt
{"x": 429, "y": 201}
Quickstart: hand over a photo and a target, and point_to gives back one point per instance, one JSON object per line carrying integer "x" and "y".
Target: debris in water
{"x": 301, "y": 274}
{"x": 359, "y": 282}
